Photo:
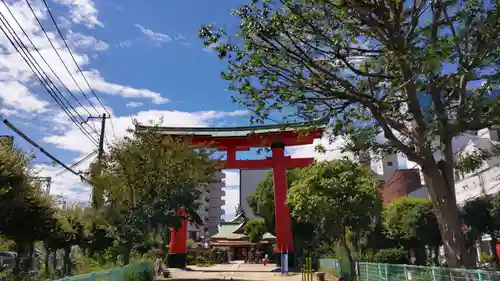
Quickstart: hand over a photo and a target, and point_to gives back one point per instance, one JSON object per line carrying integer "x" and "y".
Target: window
{"x": 193, "y": 235}
{"x": 389, "y": 163}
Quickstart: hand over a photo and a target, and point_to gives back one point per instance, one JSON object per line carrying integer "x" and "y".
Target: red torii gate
{"x": 234, "y": 139}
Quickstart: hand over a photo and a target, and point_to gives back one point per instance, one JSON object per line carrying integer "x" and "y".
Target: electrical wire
{"x": 79, "y": 162}
{"x": 57, "y": 52}
{"x": 46, "y": 153}
{"x": 41, "y": 56}
{"x": 37, "y": 71}
{"x": 76, "y": 63}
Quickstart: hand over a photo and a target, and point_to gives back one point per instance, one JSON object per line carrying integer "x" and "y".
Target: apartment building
{"x": 210, "y": 210}
{"x": 486, "y": 179}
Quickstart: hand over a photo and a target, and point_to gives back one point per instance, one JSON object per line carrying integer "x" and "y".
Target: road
{"x": 251, "y": 272}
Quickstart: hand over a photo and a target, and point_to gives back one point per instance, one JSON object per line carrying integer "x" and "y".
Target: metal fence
{"x": 133, "y": 272}
{"x": 398, "y": 272}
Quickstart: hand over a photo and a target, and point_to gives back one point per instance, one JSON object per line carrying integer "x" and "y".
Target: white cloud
{"x": 8, "y": 112}
{"x": 125, "y": 44}
{"x": 232, "y": 200}
{"x": 179, "y": 37}
{"x": 155, "y": 36}
{"x": 333, "y": 150}
{"x": 18, "y": 96}
{"x": 13, "y": 69}
{"x": 78, "y": 40}
{"x": 211, "y": 47}
{"x": 134, "y": 104}
{"x": 82, "y": 12}
{"x": 232, "y": 178}
{"x": 71, "y": 138}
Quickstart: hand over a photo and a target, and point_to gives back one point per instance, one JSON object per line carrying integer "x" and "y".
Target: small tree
{"x": 337, "y": 196}
{"x": 255, "y": 229}
{"x": 411, "y": 222}
{"x": 305, "y": 237}
{"x": 390, "y": 76}
{"x": 482, "y": 216}
{"x": 146, "y": 179}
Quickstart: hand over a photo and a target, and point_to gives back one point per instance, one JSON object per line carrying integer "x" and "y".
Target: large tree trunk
{"x": 67, "y": 261}
{"x": 54, "y": 260}
{"x": 127, "y": 248}
{"x": 447, "y": 214}
{"x": 46, "y": 256}
{"x": 30, "y": 260}
{"x": 343, "y": 242}
{"x": 19, "y": 250}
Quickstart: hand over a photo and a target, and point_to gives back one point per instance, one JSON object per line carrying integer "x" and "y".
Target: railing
{"x": 379, "y": 271}
{"x": 306, "y": 270}
{"x": 133, "y": 272}
{"x": 401, "y": 272}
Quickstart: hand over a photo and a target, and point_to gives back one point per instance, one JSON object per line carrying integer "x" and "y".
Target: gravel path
{"x": 253, "y": 272}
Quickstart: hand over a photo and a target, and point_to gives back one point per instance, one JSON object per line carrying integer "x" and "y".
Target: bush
{"x": 191, "y": 259}
{"x": 200, "y": 260}
{"x": 392, "y": 256}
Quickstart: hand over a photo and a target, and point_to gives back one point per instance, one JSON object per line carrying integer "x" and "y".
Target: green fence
{"x": 133, "y": 272}
{"x": 330, "y": 266}
{"x": 398, "y": 272}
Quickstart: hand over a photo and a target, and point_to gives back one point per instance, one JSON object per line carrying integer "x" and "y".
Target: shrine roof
{"x": 225, "y": 132}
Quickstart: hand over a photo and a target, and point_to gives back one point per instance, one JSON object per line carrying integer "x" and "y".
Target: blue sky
{"x": 143, "y": 61}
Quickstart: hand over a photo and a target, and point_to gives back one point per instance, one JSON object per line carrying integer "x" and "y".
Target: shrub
{"x": 392, "y": 256}
{"x": 200, "y": 260}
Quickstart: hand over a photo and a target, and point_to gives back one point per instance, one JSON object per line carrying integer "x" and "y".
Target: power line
{"x": 76, "y": 63}
{"x": 40, "y": 74}
{"x": 41, "y": 56}
{"x": 57, "y": 53}
{"x": 78, "y": 162}
{"x": 34, "y": 144}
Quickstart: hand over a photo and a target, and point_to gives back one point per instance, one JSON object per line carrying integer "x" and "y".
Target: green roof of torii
{"x": 230, "y": 131}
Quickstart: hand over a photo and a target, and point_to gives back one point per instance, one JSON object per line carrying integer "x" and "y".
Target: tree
{"x": 392, "y": 70}
{"x": 27, "y": 216}
{"x": 262, "y": 200}
{"x": 146, "y": 179}
{"x": 68, "y": 232}
{"x": 338, "y": 196}
{"x": 411, "y": 222}
{"x": 481, "y": 214}
{"x": 305, "y": 238}
{"x": 255, "y": 229}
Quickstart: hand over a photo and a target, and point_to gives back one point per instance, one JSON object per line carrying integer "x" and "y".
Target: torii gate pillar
{"x": 284, "y": 238}
{"x": 177, "y": 256}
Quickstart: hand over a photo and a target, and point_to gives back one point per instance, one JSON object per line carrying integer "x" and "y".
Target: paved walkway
{"x": 244, "y": 272}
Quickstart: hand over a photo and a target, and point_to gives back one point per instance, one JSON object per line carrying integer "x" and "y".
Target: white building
{"x": 249, "y": 179}
{"x": 484, "y": 180}
{"x": 210, "y": 210}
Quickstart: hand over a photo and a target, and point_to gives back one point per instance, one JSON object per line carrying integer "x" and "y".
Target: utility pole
{"x": 102, "y": 135}
{"x": 97, "y": 198}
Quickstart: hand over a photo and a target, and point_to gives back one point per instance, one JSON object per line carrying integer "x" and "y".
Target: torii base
{"x": 291, "y": 260}
{"x": 177, "y": 260}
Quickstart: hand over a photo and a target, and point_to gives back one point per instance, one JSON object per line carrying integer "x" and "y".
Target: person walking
{"x": 158, "y": 268}
{"x": 266, "y": 260}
